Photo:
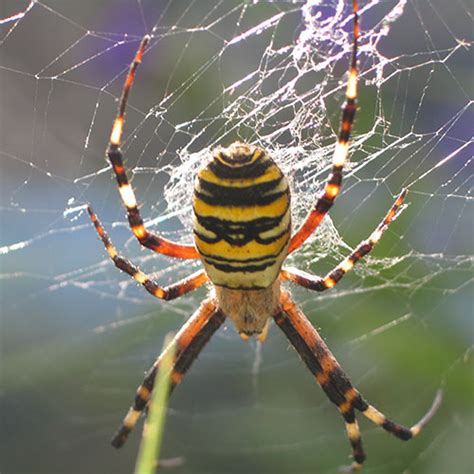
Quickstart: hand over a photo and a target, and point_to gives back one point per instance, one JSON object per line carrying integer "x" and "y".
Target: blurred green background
{"x": 76, "y": 335}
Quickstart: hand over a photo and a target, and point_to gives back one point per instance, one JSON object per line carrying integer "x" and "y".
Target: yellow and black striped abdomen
{"x": 242, "y": 220}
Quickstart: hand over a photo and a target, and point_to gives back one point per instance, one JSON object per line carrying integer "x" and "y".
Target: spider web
{"x": 77, "y": 334}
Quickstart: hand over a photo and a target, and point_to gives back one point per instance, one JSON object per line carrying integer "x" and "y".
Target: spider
{"x": 242, "y": 235}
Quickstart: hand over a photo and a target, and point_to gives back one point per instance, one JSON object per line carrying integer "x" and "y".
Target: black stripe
{"x": 358, "y": 450}
{"x": 359, "y": 403}
{"x": 337, "y": 274}
{"x": 363, "y": 250}
{"x": 134, "y": 217}
{"x": 323, "y": 205}
{"x": 349, "y": 417}
{"x": 240, "y": 240}
{"x": 219, "y": 258}
{"x": 397, "y": 430}
{"x": 115, "y": 157}
{"x": 335, "y": 177}
{"x": 237, "y": 264}
{"x": 256, "y": 195}
{"x": 242, "y": 200}
{"x": 240, "y": 236}
{"x": 237, "y": 158}
{"x": 247, "y": 268}
{"x": 251, "y": 229}
{"x": 254, "y": 170}
{"x": 347, "y": 117}
{"x": 120, "y": 437}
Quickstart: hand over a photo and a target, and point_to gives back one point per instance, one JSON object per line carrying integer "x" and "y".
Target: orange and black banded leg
{"x": 170, "y": 292}
{"x": 322, "y": 364}
{"x": 146, "y": 238}
{"x": 189, "y": 342}
{"x": 333, "y": 184}
{"x": 337, "y": 386}
{"x": 317, "y": 283}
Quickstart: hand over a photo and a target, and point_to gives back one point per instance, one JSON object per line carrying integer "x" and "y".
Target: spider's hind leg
{"x": 323, "y": 365}
{"x": 189, "y": 342}
{"x": 326, "y": 370}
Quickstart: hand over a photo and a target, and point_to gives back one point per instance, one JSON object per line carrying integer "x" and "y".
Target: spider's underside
{"x": 242, "y": 231}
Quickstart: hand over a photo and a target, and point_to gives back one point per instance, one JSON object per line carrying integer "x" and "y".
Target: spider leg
{"x": 337, "y": 386}
{"x": 189, "y": 342}
{"x": 170, "y": 292}
{"x": 317, "y": 283}
{"x": 322, "y": 364}
{"x": 333, "y": 184}
{"x": 145, "y": 237}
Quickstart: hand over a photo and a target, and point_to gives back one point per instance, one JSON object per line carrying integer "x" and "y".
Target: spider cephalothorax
{"x": 242, "y": 232}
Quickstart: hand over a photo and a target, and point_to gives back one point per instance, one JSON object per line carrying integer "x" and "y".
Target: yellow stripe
{"x": 262, "y": 279}
{"x": 128, "y": 196}
{"x": 238, "y": 265}
{"x": 374, "y": 415}
{"x": 346, "y": 265}
{"x": 131, "y": 418}
{"x": 140, "y": 277}
{"x": 340, "y": 153}
{"x": 351, "y": 91}
{"x": 282, "y": 226}
{"x": 353, "y": 431}
{"x": 116, "y": 134}
{"x": 241, "y": 214}
{"x": 250, "y": 250}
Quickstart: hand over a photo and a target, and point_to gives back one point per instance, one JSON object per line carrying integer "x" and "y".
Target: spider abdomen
{"x": 242, "y": 220}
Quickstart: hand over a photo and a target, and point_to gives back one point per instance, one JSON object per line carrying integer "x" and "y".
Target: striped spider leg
{"x": 317, "y": 283}
{"x": 171, "y": 292}
{"x": 189, "y": 342}
{"x": 341, "y": 152}
{"x": 335, "y": 383}
{"x": 145, "y": 237}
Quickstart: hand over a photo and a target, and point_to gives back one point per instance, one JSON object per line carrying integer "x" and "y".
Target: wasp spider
{"x": 242, "y": 235}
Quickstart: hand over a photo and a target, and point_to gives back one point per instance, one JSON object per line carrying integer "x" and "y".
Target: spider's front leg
{"x": 337, "y": 386}
{"x": 317, "y": 283}
{"x": 144, "y": 236}
{"x": 189, "y": 342}
{"x": 341, "y": 152}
